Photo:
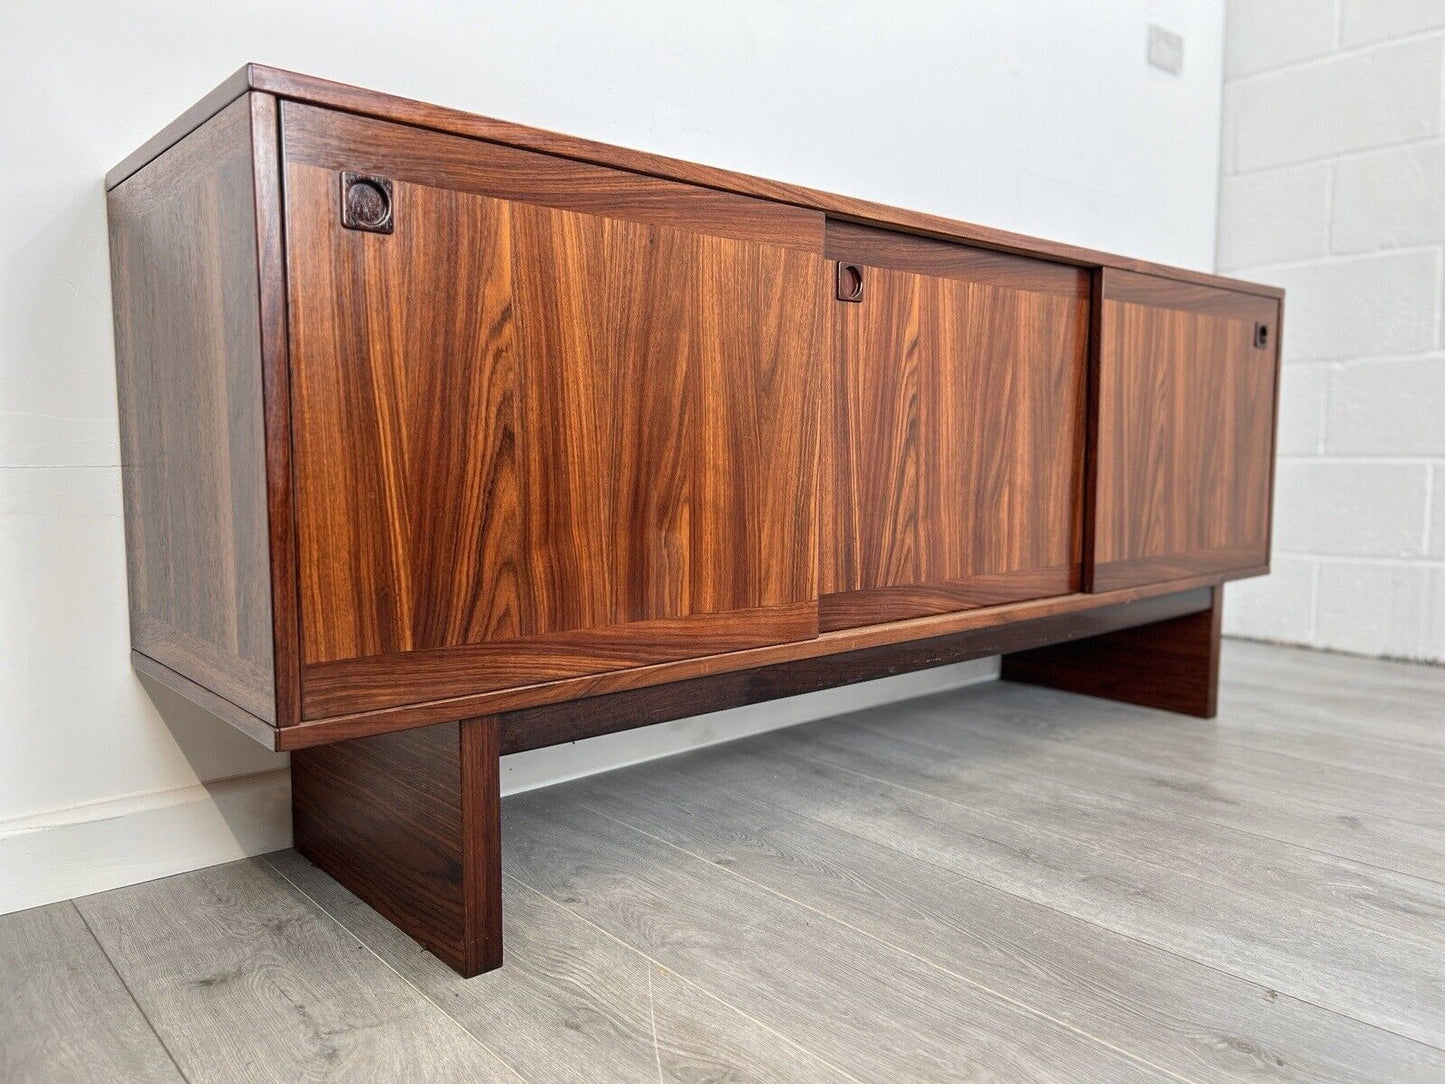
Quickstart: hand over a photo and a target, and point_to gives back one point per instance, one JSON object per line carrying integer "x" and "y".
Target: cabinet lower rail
{"x": 410, "y": 821}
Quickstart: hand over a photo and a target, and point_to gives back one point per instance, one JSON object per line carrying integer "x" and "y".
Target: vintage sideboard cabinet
{"x": 446, "y": 438}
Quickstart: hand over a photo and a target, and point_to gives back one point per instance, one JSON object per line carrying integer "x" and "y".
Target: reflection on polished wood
{"x": 558, "y": 438}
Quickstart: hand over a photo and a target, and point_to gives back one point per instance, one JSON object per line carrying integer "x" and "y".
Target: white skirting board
{"x": 104, "y": 845}
{"x": 108, "y": 844}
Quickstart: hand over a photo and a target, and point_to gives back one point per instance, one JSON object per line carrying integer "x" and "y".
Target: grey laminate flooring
{"x": 998, "y": 883}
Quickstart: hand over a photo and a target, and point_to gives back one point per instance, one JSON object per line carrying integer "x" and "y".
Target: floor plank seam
{"x": 652, "y": 1019}
{"x": 1114, "y": 931}
{"x": 1022, "y": 1006}
{"x": 1237, "y": 742}
{"x": 1139, "y": 803}
{"x": 1122, "y": 855}
{"x": 1319, "y": 803}
{"x": 652, "y": 962}
{"x": 1003, "y": 881}
{"x": 410, "y": 985}
{"x": 130, "y": 993}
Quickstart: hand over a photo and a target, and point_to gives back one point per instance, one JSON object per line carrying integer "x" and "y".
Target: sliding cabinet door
{"x": 954, "y": 477}
{"x": 554, "y": 419}
{"x": 1187, "y": 385}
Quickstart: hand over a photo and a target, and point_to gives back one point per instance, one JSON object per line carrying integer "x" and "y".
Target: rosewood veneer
{"x": 445, "y": 437}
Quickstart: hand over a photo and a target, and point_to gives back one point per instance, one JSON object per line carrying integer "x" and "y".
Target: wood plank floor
{"x": 998, "y": 883}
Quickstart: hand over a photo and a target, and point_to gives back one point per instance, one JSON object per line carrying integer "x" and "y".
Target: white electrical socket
{"x": 1166, "y": 50}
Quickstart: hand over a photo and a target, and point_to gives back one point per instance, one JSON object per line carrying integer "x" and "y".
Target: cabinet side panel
{"x": 188, "y": 376}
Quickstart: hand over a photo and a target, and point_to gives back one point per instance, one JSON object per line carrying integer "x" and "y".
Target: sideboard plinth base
{"x": 1171, "y": 665}
{"x": 411, "y": 823}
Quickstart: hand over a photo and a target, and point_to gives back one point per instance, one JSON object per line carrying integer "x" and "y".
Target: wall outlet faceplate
{"x": 1166, "y": 50}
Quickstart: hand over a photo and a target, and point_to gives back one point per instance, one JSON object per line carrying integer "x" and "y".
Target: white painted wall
{"x": 1333, "y": 186}
{"x": 1031, "y": 115}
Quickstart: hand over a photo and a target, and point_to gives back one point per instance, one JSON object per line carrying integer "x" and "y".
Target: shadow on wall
{"x": 217, "y": 752}
{"x": 103, "y": 782}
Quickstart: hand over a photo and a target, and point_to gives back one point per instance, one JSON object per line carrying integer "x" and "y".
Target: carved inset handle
{"x": 850, "y": 282}
{"x": 366, "y": 203}
{"x": 1261, "y": 336}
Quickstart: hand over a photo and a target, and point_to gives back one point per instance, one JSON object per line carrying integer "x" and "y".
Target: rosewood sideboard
{"x": 445, "y": 438}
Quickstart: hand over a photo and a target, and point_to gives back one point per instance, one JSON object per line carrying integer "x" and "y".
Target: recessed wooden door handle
{"x": 850, "y": 282}
{"x": 366, "y": 203}
{"x": 1261, "y": 336}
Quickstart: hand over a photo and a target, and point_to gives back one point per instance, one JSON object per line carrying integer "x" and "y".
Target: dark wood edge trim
{"x": 481, "y": 797}
{"x": 845, "y": 241}
{"x": 374, "y": 682}
{"x": 341, "y": 141}
{"x": 276, "y": 405}
{"x": 351, "y": 99}
{"x": 202, "y": 697}
{"x": 539, "y": 727}
{"x": 231, "y": 88}
{"x": 1274, "y": 426}
{"x": 842, "y": 610}
{"x": 1216, "y": 652}
{"x": 1220, "y": 576}
{"x": 1093, "y": 367}
{"x": 360, "y": 724}
{"x": 231, "y": 677}
{"x": 1128, "y": 286}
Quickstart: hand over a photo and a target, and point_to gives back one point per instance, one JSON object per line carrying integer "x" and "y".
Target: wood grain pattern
{"x": 921, "y": 800}
{"x": 1172, "y": 665}
{"x": 670, "y": 420}
{"x": 183, "y": 240}
{"x": 850, "y": 242}
{"x": 246, "y": 980}
{"x": 562, "y": 433}
{"x": 337, "y": 141}
{"x": 553, "y": 724}
{"x": 611, "y": 426}
{"x": 958, "y": 431}
{"x": 378, "y": 682}
{"x": 147, "y": 669}
{"x": 411, "y": 823}
{"x": 404, "y": 382}
{"x": 369, "y": 103}
{"x": 67, "y": 1016}
{"x": 787, "y": 965}
{"x": 426, "y": 712}
{"x": 731, "y": 806}
{"x": 481, "y": 797}
{"x": 574, "y": 1006}
{"x": 1185, "y": 439}
{"x": 1163, "y": 886}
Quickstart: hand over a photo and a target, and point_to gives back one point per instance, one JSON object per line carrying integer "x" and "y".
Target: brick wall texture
{"x": 1333, "y": 186}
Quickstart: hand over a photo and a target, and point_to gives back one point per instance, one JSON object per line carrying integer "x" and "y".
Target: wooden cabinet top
{"x": 341, "y": 96}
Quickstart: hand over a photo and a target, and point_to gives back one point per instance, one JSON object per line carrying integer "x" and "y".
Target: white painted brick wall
{"x": 1265, "y": 34}
{"x": 1333, "y": 186}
